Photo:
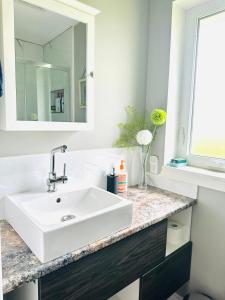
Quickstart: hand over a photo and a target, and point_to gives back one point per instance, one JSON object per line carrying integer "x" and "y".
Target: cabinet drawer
{"x": 166, "y": 278}
{"x": 102, "y": 274}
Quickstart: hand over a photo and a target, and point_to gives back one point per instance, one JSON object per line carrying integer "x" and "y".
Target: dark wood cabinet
{"x": 102, "y": 274}
{"x": 166, "y": 278}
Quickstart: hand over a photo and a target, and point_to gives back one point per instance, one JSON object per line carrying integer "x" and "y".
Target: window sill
{"x": 197, "y": 176}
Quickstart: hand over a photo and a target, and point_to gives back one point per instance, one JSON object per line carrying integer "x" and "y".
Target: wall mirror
{"x": 53, "y": 44}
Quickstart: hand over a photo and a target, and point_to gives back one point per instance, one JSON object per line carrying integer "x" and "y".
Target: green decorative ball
{"x": 158, "y": 117}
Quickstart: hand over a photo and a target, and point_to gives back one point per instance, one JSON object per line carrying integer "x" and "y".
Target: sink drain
{"x": 67, "y": 218}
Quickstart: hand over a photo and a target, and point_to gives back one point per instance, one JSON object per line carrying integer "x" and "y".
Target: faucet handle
{"x": 64, "y": 173}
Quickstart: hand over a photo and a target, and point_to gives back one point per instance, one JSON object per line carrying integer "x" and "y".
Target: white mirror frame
{"x": 8, "y": 115}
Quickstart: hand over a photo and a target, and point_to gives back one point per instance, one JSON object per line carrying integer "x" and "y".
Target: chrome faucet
{"x": 52, "y": 178}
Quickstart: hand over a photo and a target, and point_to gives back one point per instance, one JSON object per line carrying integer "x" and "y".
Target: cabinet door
{"x": 165, "y": 279}
{"x": 104, "y": 273}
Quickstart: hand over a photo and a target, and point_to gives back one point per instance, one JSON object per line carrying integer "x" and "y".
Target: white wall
{"x": 208, "y": 263}
{"x": 121, "y": 51}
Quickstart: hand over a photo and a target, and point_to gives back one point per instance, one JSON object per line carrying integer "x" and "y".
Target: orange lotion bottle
{"x": 122, "y": 179}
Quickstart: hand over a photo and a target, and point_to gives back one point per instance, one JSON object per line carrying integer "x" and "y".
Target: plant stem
{"x": 154, "y": 132}
{"x": 147, "y": 152}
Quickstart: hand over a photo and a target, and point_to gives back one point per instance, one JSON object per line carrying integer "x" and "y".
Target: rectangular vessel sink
{"x": 55, "y": 224}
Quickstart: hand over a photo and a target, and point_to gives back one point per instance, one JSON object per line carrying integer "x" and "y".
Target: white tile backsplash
{"x": 84, "y": 167}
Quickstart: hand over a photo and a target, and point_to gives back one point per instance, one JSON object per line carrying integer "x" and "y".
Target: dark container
{"x": 112, "y": 182}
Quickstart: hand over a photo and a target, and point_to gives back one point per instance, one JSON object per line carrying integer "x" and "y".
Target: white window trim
{"x": 195, "y": 177}
{"x": 185, "y": 123}
{"x": 187, "y": 180}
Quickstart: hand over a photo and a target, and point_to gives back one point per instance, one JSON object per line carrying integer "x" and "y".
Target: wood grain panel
{"x": 165, "y": 279}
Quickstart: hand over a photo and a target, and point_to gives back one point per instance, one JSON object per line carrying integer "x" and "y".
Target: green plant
{"x": 137, "y": 121}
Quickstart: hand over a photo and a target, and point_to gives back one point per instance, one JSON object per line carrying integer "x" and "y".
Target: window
{"x": 204, "y": 84}
{"x": 208, "y": 124}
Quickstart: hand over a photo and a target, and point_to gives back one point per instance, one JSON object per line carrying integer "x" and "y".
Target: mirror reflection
{"x": 50, "y": 65}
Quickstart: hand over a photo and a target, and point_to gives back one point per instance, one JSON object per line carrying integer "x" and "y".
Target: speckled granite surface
{"x": 20, "y": 265}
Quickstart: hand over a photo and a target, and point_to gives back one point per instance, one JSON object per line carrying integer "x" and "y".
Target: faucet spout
{"x": 61, "y": 149}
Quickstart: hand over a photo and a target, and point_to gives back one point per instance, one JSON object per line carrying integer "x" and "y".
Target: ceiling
{"x": 188, "y": 4}
{"x": 37, "y": 25}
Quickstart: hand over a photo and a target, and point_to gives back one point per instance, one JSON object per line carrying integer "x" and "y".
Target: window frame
{"x": 193, "y": 18}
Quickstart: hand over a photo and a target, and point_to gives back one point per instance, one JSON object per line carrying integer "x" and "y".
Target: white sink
{"x": 55, "y": 224}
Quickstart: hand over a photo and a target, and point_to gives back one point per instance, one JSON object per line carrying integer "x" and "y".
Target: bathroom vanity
{"x": 151, "y": 259}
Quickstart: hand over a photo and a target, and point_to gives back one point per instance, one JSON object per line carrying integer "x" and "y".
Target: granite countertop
{"x": 20, "y": 265}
